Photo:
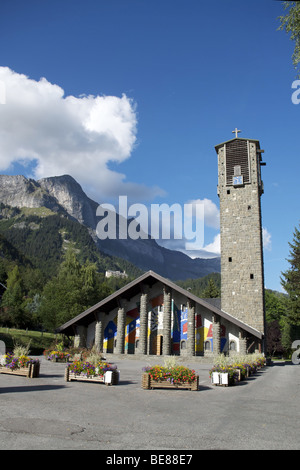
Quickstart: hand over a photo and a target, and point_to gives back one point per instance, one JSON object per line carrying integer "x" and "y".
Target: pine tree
{"x": 211, "y": 291}
{"x": 290, "y": 281}
{"x": 13, "y": 299}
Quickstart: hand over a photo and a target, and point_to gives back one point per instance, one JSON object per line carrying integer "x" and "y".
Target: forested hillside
{"x": 41, "y": 238}
{"x": 51, "y": 268}
{"x": 205, "y": 287}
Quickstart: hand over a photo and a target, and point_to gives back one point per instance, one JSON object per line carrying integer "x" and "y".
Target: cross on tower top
{"x": 236, "y": 131}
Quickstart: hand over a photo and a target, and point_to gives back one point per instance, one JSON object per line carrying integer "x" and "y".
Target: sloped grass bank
{"x": 38, "y": 341}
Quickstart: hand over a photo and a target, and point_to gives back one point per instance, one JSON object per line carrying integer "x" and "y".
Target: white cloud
{"x": 215, "y": 246}
{"x": 197, "y": 223}
{"x": 267, "y": 241}
{"x": 79, "y": 136}
{"x": 211, "y": 212}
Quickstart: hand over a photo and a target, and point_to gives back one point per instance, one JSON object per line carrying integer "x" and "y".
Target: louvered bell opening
{"x": 237, "y": 161}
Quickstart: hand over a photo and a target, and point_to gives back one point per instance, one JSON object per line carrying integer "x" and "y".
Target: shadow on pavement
{"x": 30, "y": 388}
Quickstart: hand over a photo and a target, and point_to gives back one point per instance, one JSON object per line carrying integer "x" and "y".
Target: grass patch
{"x": 39, "y": 341}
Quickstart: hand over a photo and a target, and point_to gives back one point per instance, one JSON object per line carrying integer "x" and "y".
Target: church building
{"x": 153, "y": 316}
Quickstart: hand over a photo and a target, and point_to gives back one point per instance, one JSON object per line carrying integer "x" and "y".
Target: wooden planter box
{"x": 241, "y": 375}
{"x": 148, "y": 383}
{"x": 32, "y": 371}
{"x": 111, "y": 377}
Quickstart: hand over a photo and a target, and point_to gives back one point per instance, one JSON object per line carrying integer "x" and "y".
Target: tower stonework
{"x": 240, "y": 188}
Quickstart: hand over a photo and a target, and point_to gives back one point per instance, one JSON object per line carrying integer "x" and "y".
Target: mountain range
{"x": 64, "y": 197}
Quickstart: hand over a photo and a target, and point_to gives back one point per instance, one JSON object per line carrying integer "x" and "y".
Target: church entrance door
{"x": 159, "y": 345}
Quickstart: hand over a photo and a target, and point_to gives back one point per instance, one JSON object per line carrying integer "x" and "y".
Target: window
{"x": 207, "y": 345}
{"x": 232, "y": 346}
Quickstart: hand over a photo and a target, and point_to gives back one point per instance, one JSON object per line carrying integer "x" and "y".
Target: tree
{"x": 290, "y": 281}
{"x": 13, "y": 299}
{"x": 275, "y": 303}
{"x": 291, "y": 24}
{"x": 211, "y": 291}
{"x": 75, "y": 288}
{"x": 274, "y": 345}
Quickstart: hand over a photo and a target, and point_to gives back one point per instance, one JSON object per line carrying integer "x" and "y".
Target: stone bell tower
{"x": 240, "y": 188}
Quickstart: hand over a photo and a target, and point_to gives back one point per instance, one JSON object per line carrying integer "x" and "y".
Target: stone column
{"x": 150, "y": 349}
{"x": 167, "y": 323}
{"x": 80, "y": 338}
{"x": 242, "y": 343}
{"x": 121, "y": 331}
{"x": 99, "y": 336}
{"x": 216, "y": 330}
{"x": 191, "y": 329}
{"x": 142, "y": 349}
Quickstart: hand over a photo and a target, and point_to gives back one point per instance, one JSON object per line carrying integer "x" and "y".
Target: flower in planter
{"x": 102, "y": 367}
{"x": 57, "y": 355}
{"x": 177, "y": 374}
{"x": 84, "y": 368}
{"x": 230, "y": 370}
{"x": 16, "y": 362}
{"x": 89, "y": 369}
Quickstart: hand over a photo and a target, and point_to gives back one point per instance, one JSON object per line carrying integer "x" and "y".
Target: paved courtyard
{"x": 49, "y": 413}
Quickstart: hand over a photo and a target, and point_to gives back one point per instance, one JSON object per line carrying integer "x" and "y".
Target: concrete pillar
{"x": 191, "y": 329}
{"x": 99, "y": 336}
{"x": 142, "y": 349}
{"x": 121, "y": 331}
{"x": 167, "y": 323}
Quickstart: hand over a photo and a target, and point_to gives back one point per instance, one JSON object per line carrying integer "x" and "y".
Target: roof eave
{"x": 236, "y": 138}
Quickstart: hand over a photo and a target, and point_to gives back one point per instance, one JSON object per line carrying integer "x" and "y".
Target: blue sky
{"x": 135, "y": 94}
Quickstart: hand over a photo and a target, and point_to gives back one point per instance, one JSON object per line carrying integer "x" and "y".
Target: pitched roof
{"x": 135, "y": 287}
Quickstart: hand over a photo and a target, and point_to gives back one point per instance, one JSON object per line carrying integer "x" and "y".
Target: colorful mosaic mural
{"x": 203, "y": 330}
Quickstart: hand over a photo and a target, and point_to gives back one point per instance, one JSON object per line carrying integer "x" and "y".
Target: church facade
{"x": 153, "y": 316}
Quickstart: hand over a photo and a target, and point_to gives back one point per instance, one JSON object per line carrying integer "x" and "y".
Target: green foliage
{"x": 37, "y": 340}
{"x": 291, "y": 24}
{"x": 211, "y": 291}
{"x": 40, "y": 242}
{"x": 275, "y": 303}
{"x": 205, "y": 287}
{"x": 13, "y": 298}
{"x": 75, "y": 288}
{"x": 290, "y": 281}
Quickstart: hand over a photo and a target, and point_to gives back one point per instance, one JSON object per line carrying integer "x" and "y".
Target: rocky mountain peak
{"x": 69, "y": 194}
{"x": 18, "y": 191}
